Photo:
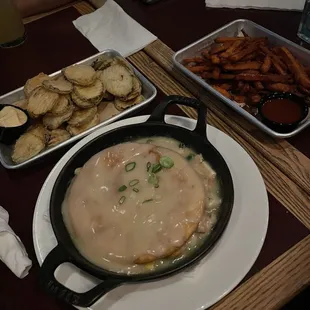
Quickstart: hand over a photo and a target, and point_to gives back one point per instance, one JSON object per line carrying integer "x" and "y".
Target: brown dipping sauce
{"x": 283, "y": 111}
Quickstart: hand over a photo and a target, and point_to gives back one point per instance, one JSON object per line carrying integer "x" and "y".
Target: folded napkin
{"x": 255, "y": 4}
{"x": 110, "y": 27}
{"x": 12, "y": 250}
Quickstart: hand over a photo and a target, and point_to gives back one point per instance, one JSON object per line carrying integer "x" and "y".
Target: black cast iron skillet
{"x": 65, "y": 251}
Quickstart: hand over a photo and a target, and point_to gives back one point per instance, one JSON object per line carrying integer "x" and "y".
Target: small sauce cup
{"x": 282, "y": 112}
{"x": 9, "y": 134}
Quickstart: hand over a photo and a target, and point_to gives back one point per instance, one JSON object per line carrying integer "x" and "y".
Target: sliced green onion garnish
{"x": 148, "y": 166}
{"x": 152, "y": 179}
{"x": 130, "y": 166}
{"x": 122, "y": 188}
{"x": 166, "y": 162}
{"x": 148, "y": 200}
{"x": 181, "y": 145}
{"x": 121, "y": 200}
{"x": 135, "y": 190}
{"x": 190, "y": 156}
{"x": 133, "y": 182}
{"x": 156, "y": 168}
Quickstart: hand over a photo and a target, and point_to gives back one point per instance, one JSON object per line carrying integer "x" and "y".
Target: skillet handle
{"x": 48, "y": 281}
{"x": 158, "y": 114}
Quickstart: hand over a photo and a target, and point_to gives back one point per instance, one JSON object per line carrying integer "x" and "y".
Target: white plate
{"x": 216, "y": 275}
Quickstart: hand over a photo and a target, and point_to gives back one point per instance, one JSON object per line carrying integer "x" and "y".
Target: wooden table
{"x": 283, "y": 267}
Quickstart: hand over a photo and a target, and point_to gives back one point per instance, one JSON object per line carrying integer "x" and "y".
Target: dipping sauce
{"x": 11, "y": 117}
{"x": 283, "y": 111}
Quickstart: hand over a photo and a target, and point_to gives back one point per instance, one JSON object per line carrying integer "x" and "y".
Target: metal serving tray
{"x": 148, "y": 91}
{"x": 253, "y": 30}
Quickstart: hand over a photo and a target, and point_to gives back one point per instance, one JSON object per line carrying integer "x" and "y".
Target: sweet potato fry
{"x": 228, "y": 39}
{"x": 259, "y": 85}
{"x": 226, "y": 76}
{"x": 275, "y": 78}
{"x": 241, "y": 66}
{"x": 215, "y": 59}
{"x": 225, "y": 86}
{"x": 205, "y": 53}
{"x": 278, "y": 67}
{"x": 223, "y": 76}
{"x": 250, "y": 56}
{"x": 224, "y": 92}
{"x": 295, "y": 67}
{"x": 239, "y": 98}
{"x": 278, "y": 64}
{"x": 266, "y": 64}
{"x": 196, "y": 59}
{"x": 281, "y": 87}
{"x": 254, "y": 99}
{"x": 248, "y": 49}
{"x": 198, "y": 69}
{"x": 232, "y": 49}
{"x": 216, "y": 73}
{"x": 218, "y": 48}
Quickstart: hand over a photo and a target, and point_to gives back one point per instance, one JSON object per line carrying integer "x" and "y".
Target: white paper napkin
{"x": 110, "y": 27}
{"x": 258, "y": 4}
{"x": 12, "y": 250}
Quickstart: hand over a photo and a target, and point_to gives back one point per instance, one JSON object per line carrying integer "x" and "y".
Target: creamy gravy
{"x": 213, "y": 196}
{"x": 117, "y": 215}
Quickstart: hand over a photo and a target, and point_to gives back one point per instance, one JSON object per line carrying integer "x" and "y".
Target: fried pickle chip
{"x": 82, "y": 116}
{"x": 57, "y": 136}
{"x": 61, "y": 107}
{"x": 117, "y": 80}
{"x": 22, "y": 103}
{"x": 85, "y": 104}
{"x": 41, "y": 101}
{"x": 102, "y": 62}
{"x": 60, "y": 86}
{"x": 123, "y": 105}
{"x": 82, "y": 75}
{"x": 91, "y": 92}
{"x": 39, "y": 131}
{"x": 53, "y": 122}
{"x": 98, "y": 73}
{"x": 76, "y": 130}
{"x": 136, "y": 90}
{"x": 27, "y": 146}
{"x": 34, "y": 83}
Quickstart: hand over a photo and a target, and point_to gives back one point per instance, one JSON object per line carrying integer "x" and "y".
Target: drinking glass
{"x": 12, "y": 30}
{"x": 304, "y": 26}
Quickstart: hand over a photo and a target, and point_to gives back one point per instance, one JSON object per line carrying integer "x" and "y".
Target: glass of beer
{"x": 12, "y": 30}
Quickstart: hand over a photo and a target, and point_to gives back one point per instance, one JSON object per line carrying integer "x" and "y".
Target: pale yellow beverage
{"x": 12, "y": 31}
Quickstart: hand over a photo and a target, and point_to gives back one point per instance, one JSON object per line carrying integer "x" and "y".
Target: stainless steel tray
{"x": 254, "y": 30}
{"x": 148, "y": 91}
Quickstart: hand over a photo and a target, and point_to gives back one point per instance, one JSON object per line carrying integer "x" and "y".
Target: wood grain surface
{"x": 295, "y": 199}
{"x": 281, "y": 153}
